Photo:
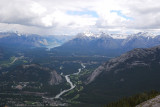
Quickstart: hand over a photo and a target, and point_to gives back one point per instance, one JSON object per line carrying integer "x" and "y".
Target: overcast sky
{"x": 74, "y": 16}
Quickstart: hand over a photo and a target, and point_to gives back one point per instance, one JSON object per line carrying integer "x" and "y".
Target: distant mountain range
{"x": 110, "y": 45}
{"x": 15, "y": 39}
{"x": 107, "y": 44}
{"x": 133, "y": 72}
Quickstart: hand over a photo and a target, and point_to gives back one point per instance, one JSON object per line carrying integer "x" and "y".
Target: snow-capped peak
{"x": 19, "y": 34}
{"x": 116, "y": 36}
{"x": 104, "y": 35}
{"x": 139, "y": 37}
{"x": 88, "y": 34}
{"x": 145, "y": 34}
{"x": 119, "y": 36}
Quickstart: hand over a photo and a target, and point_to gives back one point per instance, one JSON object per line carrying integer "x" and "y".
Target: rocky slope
{"x": 133, "y": 72}
{"x": 155, "y": 102}
{"x": 131, "y": 59}
{"x": 55, "y": 78}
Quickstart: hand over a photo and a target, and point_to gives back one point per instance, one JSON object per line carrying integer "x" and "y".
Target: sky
{"x": 69, "y": 17}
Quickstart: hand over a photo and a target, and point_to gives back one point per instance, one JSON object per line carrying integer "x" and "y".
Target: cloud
{"x": 73, "y": 16}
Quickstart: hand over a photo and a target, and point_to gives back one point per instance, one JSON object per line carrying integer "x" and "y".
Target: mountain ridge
{"x": 133, "y": 72}
{"x": 137, "y": 55}
{"x": 17, "y": 39}
{"x": 105, "y": 44}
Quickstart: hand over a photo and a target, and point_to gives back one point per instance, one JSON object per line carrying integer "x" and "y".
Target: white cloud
{"x": 37, "y": 8}
{"x": 52, "y": 17}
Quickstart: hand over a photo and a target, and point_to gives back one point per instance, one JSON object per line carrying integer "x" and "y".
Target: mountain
{"x": 15, "y": 39}
{"x": 131, "y": 59}
{"x": 107, "y": 44}
{"x": 22, "y": 40}
{"x": 91, "y": 44}
{"x": 140, "y": 40}
{"x": 133, "y": 72}
{"x": 32, "y": 73}
{"x": 57, "y": 40}
{"x": 1, "y": 53}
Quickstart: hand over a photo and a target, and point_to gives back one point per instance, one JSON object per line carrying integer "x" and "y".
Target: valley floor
{"x": 29, "y": 93}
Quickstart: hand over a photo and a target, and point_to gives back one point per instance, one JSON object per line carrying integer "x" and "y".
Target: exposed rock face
{"x": 55, "y": 78}
{"x": 136, "y": 57}
{"x": 95, "y": 74}
{"x": 155, "y": 102}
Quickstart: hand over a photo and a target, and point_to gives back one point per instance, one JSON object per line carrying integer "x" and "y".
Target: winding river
{"x": 64, "y": 91}
{"x": 72, "y": 86}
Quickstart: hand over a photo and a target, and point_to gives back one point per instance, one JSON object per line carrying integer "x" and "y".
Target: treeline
{"x": 134, "y": 100}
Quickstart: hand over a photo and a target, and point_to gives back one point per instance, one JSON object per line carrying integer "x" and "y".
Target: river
{"x": 72, "y": 86}
{"x": 53, "y": 100}
{"x": 64, "y": 91}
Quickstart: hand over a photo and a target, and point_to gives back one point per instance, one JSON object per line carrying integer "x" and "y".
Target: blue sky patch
{"x": 119, "y": 13}
{"x": 86, "y": 12}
